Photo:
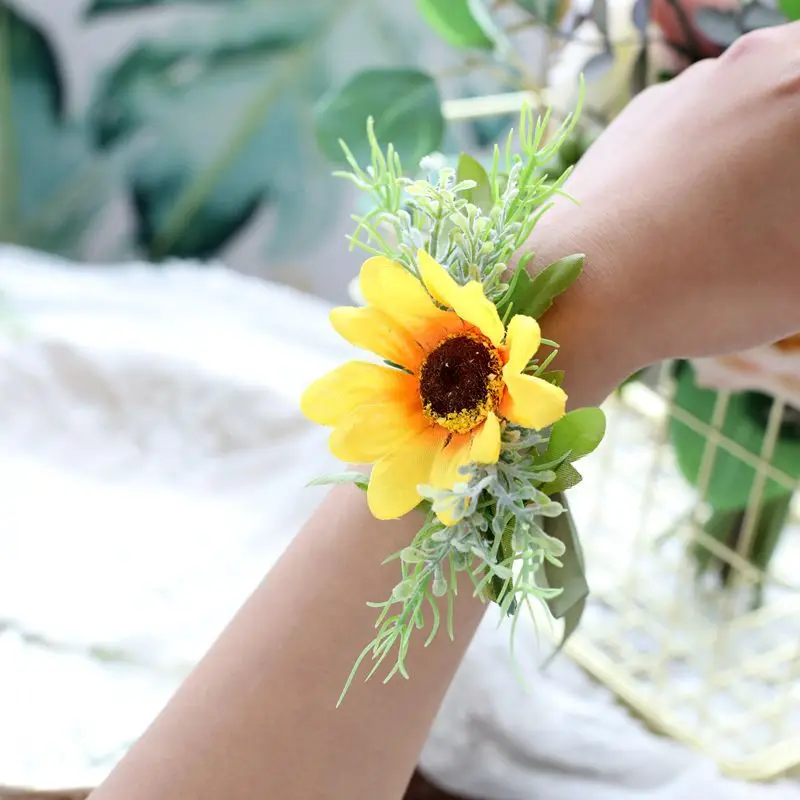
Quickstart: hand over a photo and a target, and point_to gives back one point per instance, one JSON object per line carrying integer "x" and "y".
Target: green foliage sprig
{"x": 512, "y": 534}
{"x": 470, "y": 219}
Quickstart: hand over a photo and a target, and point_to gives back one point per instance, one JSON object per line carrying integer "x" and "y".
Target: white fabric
{"x": 152, "y": 467}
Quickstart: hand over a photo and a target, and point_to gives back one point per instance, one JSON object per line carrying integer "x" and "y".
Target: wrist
{"x": 593, "y": 322}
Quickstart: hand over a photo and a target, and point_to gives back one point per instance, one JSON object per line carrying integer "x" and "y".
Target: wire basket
{"x": 712, "y": 660}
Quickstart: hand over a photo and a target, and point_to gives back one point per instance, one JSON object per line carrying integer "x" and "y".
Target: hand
{"x": 688, "y": 215}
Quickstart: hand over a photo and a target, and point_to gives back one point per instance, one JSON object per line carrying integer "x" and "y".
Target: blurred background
{"x": 163, "y": 130}
{"x": 171, "y": 237}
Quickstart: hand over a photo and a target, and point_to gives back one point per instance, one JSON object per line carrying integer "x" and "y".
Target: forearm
{"x": 257, "y": 717}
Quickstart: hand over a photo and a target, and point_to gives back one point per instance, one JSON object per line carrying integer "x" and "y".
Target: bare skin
{"x": 687, "y": 219}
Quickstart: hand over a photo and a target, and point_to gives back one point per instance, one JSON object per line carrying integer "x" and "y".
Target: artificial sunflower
{"x": 455, "y": 375}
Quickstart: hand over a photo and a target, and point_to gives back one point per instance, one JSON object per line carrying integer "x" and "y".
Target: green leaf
{"x": 578, "y": 433}
{"x": 454, "y": 21}
{"x": 770, "y": 525}
{"x": 718, "y": 26}
{"x": 791, "y": 8}
{"x": 731, "y": 478}
{"x": 52, "y": 185}
{"x": 721, "y": 526}
{"x": 337, "y": 478}
{"x": 554, "y": 376}
{"x": 404, "y": 104}
{"x": 520, "y": 293}
{"x": 223, "y": 112}
{"x": 471, "y": 170}
{"x": 567, "y": 477}
{"x": 571, "y": 576}
{"x": 534, "y": 295}
{"x": 98, "y": 7}
{"x": 727, "y": 528}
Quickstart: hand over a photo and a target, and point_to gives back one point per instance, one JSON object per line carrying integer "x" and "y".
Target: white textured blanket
{"x": 148, "y": 422}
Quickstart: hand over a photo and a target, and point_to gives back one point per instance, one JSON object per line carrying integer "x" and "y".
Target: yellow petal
{"x": 472, "y": 305}
{"x": 332, "y": 397}
{"x": 437, "y": 279}
{"x": 481, "y": 446}
{"x": 523, "y": 338}
{"x": 531, "y": 402}
{"x": 392, "y": 289}
{"x": 486, "y": 441}
{"x": 372, "y": 330}
{"x": 468, "y": 301}
{"x": 450, "y": 515}
{"x": 372, "y": 431}
{"x": 393, "y": 483}
{"x": 449, "y": 459}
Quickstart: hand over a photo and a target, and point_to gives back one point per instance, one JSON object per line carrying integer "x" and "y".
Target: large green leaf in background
{"x": 731, "y": 479}
{"x": 405, "y": 107}
{"x": 50, "y": 188}
{"x": 223, "y": 113}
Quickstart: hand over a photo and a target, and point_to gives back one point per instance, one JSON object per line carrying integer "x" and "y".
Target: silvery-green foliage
{"x": 435, "y": 214}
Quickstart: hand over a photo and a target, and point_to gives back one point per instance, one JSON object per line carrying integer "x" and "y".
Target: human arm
{"x": 257, "y": 716}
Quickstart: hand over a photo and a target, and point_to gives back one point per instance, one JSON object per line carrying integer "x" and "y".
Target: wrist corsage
{"x": 462, "y": 414}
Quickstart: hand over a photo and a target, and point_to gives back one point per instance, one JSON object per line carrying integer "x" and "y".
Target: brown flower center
{"x": 460, "y": 381}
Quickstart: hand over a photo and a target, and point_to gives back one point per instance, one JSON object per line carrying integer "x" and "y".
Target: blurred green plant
{"x": 733, "y": 485}
{"x": 51, "y": 185}
{"x": 202, "y": 128}
{"x": 210, "y": 126}
{"x": 406, "y": 106}
{"x": 223, "y": 109}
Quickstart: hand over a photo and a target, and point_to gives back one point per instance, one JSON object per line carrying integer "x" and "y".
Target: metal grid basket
{"x": 715, "y": 666}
